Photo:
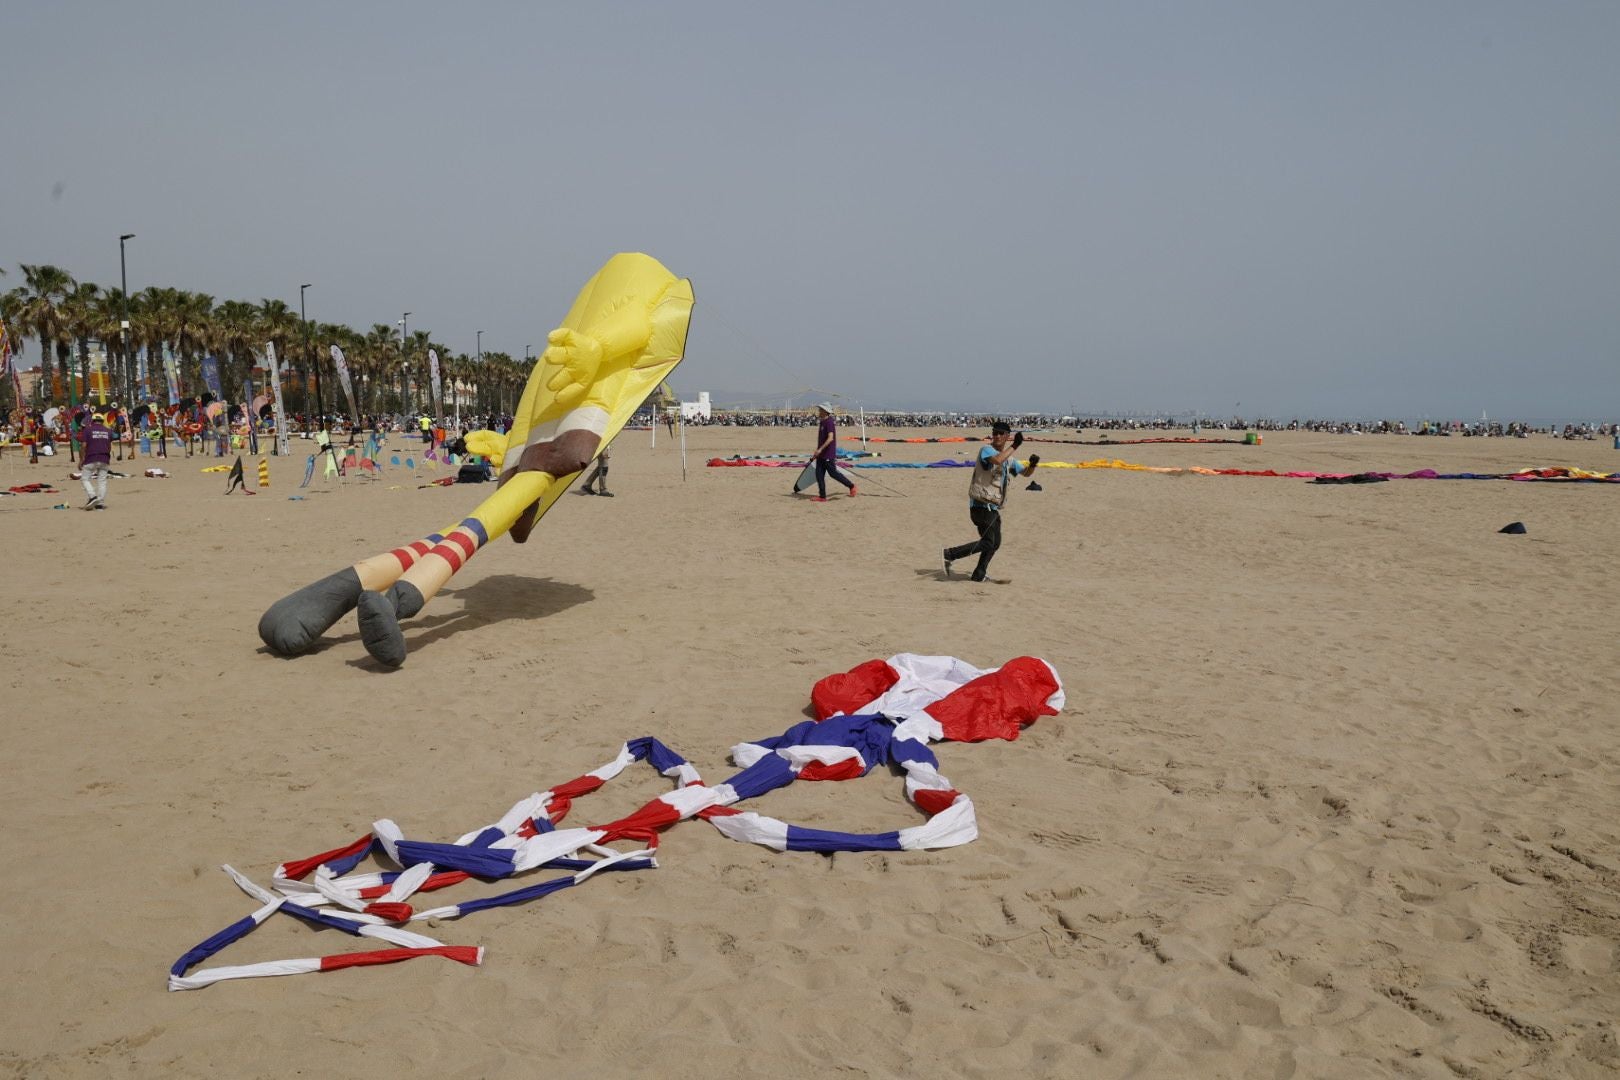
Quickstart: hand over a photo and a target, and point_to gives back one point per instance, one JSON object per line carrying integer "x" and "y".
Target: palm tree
{"x": 193, "y": 315}
{"x": 279, "y": 325}
{"x": 80, "y": 314}
{"x": 38, "y": 312}
{"x": 107, "y": 315}
{"x": 10, "y": 302}
{"x": 236, "y": 334}
{"x": 381, "y": 353}
{"x": 149, "y": 330}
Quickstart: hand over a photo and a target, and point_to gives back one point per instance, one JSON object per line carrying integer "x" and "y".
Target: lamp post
{"x": 404, "y": 362}
{"x": 320, "y": 409}
{"x": 123, "y": 323}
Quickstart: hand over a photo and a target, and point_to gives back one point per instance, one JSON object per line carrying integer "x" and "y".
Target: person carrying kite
{"x": 826, "y": 455}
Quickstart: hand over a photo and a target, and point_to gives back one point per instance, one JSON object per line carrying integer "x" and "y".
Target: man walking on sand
{"x": 97, "y": 438}
{"x": 826, "y": 455}
{"x": 987, "y": 494}
{"x": 598, "y": 477}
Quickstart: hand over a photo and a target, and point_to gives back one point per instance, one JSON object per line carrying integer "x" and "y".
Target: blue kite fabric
{"x": 883, "y": 712}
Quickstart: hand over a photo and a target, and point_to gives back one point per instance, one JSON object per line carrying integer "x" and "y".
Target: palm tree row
{"x": 65, "y": 315}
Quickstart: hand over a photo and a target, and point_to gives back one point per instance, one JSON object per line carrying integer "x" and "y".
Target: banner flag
{"x": 343, "y": 377}
{"x": 171, "y": 372}
{"x": 8, "y": 368}
{"x": 274, "y": 365}
{"x": 210, "y": 374}
{"x": 433, "y": 375}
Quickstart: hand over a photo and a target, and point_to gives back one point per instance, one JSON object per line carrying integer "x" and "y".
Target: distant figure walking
{"x": 826, "y": 455}
{"x": 98, "y": 441}
{"x": 598, "y": 477}
{"x": 987, "y": 494}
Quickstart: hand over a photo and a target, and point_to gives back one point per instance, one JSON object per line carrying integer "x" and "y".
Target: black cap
{"x": 1516, "y": 527}
{"x": 1001, "y": 427}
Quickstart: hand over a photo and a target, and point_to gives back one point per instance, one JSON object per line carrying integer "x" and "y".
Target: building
{"x": 696, "y": 410}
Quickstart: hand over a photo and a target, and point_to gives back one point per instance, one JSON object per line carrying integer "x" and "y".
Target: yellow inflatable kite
{"x": 623, "y": 336}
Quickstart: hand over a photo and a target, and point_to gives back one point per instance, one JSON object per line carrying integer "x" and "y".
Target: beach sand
{"x": 1334, "y": 794}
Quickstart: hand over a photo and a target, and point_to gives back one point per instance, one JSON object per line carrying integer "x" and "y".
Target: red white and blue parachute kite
{"x": 884, "y": 712}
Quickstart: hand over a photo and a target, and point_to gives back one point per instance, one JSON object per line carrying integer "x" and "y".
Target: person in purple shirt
{"x": 98, "y": 439}
{"x": 826, "y": 455}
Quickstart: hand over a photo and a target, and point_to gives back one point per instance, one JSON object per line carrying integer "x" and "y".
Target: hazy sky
{"x": 1351, "y": 209}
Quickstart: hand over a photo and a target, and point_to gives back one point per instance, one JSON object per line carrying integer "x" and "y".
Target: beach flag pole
{"x": 681, "y": 420}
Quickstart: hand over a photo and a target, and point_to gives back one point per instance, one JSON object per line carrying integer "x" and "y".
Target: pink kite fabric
{"x": 881, "y": 712}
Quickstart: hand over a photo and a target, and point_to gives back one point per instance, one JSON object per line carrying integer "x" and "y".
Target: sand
{"x": 1334, "y": 794}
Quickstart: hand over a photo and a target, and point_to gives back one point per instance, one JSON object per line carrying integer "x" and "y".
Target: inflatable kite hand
{"x": 577, "y": 357}
{"x": 487, "y": 444}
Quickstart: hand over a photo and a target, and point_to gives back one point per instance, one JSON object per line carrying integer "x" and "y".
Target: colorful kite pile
{"x": 883, "y": 712}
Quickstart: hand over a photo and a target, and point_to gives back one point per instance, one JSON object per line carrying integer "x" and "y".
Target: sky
{"x": 1381, "y": 209}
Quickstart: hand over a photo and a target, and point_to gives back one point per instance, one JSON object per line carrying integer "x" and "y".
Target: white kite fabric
{"x": 883, "y": 712}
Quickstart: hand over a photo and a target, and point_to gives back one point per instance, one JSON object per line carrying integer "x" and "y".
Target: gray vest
{"x": 989, "y": 486}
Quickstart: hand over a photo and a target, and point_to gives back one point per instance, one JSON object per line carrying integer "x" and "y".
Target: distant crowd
{"x": 1041, "y": 422}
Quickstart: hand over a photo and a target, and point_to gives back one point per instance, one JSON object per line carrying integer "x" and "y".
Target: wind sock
{"x": 624, "y": 334}
{"x": 433, "y": 376}
{"x": 264, "y": 472}
{"x": 274, "y": 365}
{"x": 343, "y": 377}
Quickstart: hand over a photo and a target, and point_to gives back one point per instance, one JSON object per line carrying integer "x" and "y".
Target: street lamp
{"x": 123, "y": 324}
{"x": 404, "y": 362}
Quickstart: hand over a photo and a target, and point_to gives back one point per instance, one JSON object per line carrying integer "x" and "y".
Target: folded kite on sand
{"x": 623, "y": 336}
{"x": 883, "y": 713}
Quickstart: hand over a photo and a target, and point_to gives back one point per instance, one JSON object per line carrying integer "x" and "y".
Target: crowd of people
{"x": 193, "y": 427}
{"x": 1033, "y": 422}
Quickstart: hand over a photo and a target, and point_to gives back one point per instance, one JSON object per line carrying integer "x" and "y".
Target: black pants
{"x": 824, "y": 469}
{"x": 599, "y": 473}
{"x": 988, "y": 522}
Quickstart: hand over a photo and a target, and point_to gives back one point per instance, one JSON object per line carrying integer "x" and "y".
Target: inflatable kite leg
{"x": 296, "y": 622}
{"x": 421, "y": 574}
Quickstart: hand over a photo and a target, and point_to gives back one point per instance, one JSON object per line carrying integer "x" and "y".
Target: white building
{"x": 696, "y": 410}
